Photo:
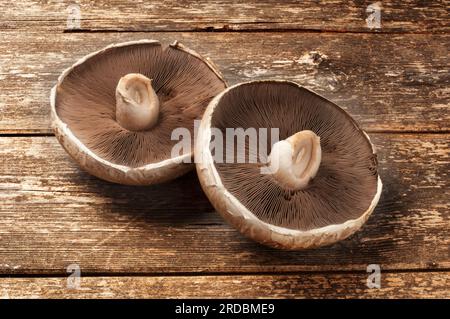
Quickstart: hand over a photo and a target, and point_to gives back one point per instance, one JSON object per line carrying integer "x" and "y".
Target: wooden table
{"x": 166, "y": 240}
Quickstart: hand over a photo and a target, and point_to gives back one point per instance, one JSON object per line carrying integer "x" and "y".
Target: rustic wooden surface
{"x": 304, "y": 285}
{"x": 146, "y": 242}
{"x": 388, "y": 83}
{"x": 227, "y": 15}
{"x": 70, "y": 217}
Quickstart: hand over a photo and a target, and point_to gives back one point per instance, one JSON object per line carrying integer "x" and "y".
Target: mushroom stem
{"x": 137, "y": 105}
{"x": 293, "y": 162}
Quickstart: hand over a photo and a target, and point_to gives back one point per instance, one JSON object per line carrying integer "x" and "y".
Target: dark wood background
{"x": 166, "y": 240}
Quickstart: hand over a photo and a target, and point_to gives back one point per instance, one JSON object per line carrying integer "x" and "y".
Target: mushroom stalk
{"x": 137, "y": 105}
{"x": 293, "y": 162}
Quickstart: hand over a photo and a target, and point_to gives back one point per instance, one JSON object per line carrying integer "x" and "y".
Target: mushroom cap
{"x": 83, "y": 110}
{"x": 336, "y": 203}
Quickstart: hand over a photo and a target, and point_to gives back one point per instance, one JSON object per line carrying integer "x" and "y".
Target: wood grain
{"x": 308, "y": 285}
{"x": 53, "y": 215}
{"x": 388, "y": 83}
{"x": 227, "y": 15}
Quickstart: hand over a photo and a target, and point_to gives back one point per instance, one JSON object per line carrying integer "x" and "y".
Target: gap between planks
{"x": 223, "y": 274}
{"x": 25, "y": 133}
{"x": 243, "y": 30}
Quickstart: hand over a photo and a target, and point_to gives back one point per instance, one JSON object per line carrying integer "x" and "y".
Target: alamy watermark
{"x": 235, "y": 145}
{"x": 373, "y": 19}
{"x": 374, "y": 279}
{"x": 73, "y": 17}
{"x": 74, "y": 279}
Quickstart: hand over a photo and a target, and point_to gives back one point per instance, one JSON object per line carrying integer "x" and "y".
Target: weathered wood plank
{"x": 387, "y": 82}
{"x": 312, "y": 285}
{"x": 53, "y": 215}
{"x": 170, "y": 15}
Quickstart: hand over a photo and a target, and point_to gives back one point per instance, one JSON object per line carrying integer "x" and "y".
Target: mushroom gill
{"x": 345, "y": 182}
{"x": 86, "y": 100}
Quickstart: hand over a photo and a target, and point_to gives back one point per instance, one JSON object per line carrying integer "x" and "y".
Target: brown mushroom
{"x": 325, "y": 183}
{"x": 115, "y": 109}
